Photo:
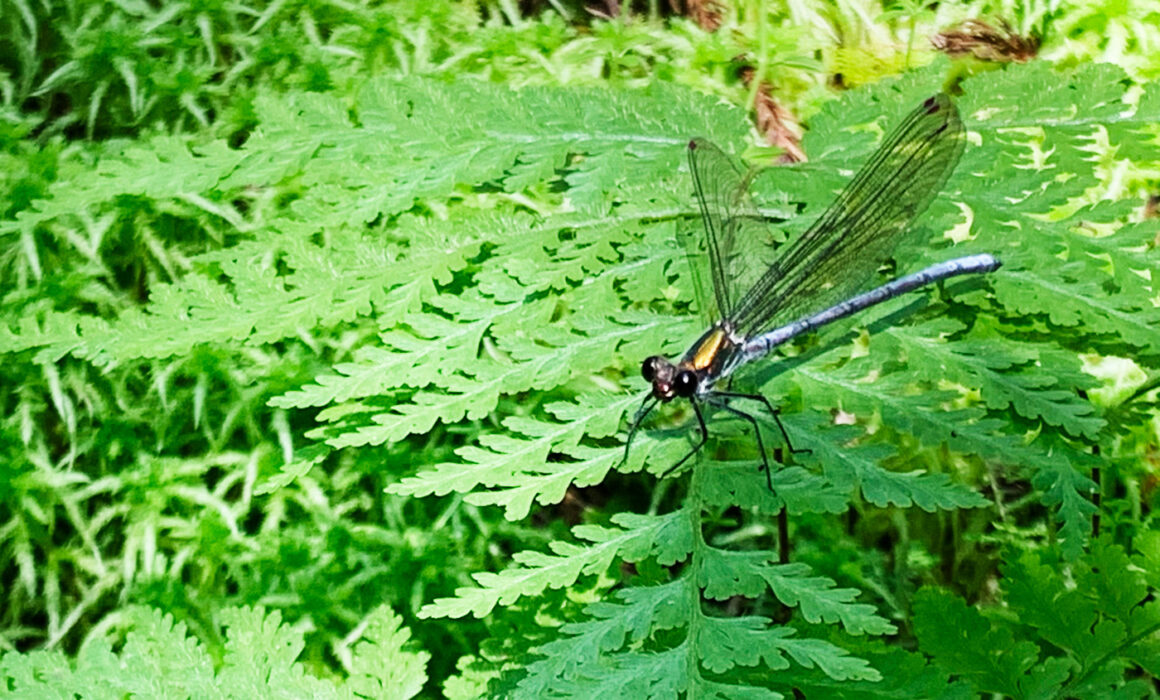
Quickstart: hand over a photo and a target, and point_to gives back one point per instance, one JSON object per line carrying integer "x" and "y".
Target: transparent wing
{"x": 843, "y": 249}
{"x": 733, "y": 250}
{"x": 694, "y": 239}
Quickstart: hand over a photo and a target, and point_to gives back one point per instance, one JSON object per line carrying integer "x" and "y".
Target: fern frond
{"x": 723, "y": 574}
{"x": 1096, "y": 627}
{"x": 665, "y": 537}
{"x": 1007, "y": 371}
{"x": 261, "y": 658}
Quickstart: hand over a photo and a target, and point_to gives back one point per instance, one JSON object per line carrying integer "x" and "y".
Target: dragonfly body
{"x": 755, "y": 307}
{"x": 761, "y": 346}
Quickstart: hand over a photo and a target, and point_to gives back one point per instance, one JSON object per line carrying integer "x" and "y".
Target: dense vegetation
{"x": 321, "y": 325}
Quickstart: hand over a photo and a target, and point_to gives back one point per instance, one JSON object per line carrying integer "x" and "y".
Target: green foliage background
{"x": 319, "y": 336}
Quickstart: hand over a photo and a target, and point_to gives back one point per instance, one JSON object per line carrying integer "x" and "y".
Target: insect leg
{"x": 775, "y": 413}
{"x": 645, "y": 408}
{"x": 760, "y": 443}
{"x": 695, "y": 450}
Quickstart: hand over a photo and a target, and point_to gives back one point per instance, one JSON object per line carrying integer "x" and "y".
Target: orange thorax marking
{"x": 708, "y": 350}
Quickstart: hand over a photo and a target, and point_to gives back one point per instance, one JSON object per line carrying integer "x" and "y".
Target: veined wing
{"x": 732, "y": 252}
{"x": 842, "y": 250}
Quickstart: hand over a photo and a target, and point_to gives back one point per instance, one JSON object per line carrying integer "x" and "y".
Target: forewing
{"x": 841, "y": 251}
{"x": 731, "y": 252}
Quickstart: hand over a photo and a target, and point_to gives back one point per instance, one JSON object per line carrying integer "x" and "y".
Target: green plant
{"x": 257, "y": 657}
{"x": 469, "y": 296}
{"x": 1097, "y": 627}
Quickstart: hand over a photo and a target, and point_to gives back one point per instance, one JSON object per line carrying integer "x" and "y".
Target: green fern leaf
{"x": 664, "y": 536}
{"x": 846, "y": 463}
{"x": 960, "y": 638}
{"x": 160, "y": 659}
{"x": 725, "y": 574}
{"x": 747, "y": 641}
{"x": 1068, "y": 490}
{"x": 989, "y": 364}
{"x": 1071, "y": 295}
{"x": 381, "y": 666}
{"x": 1095, "y": 628}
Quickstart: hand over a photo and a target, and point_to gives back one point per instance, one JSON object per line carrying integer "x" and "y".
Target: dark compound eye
{"x": 648, "y": 369}
{"x": 685, "y": 384}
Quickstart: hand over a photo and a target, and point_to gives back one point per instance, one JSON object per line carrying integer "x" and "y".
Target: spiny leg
{"x": 775, "y": 413}
{"x": 641, "y": 413}
{"x": 695, "y": 450}
{"x": 760, "y": 442}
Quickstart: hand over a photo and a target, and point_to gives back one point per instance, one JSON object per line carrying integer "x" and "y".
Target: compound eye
{"x": 649, "y": 368}
{"x": 686, "y": 383}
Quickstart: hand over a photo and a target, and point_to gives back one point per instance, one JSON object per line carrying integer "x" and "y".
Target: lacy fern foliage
{"x": 503, "y": 259}
{"x": 1058, "y": 637}
{"x": 158, "y": 658}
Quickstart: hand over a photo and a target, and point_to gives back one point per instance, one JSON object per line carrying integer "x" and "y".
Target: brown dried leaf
{"x": 1152, "y": 207}
{"x": 706, "y": 13}
{"x": 986, "y": 42}
{"x": 776, "y": 122}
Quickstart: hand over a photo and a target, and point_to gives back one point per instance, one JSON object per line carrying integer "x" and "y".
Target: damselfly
{"x": 816, "y": 278}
